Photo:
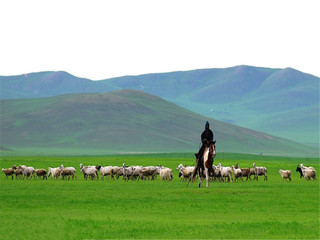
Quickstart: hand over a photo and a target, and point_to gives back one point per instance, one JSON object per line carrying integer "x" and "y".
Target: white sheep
{"x": 285, "y": 174}
{"x": 127, "y": 172}
{"x": 216, "y": 174}
{"x": 54, "y": 172}
{"x": 106, "y": 171}
{"x": 27, "y": 171}
{"x": 165, "y": 173}
{"x": 186, "y": 171}
{"x": 237, "y": 173}
{"x": 136, "y": 172}
{"x": 89, "y": 171}
{"x": 307, "y": 174}
{"x": 225, "y": 172}
{"x": 259, "y": 171}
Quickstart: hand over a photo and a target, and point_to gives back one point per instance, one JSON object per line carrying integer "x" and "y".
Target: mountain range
{"x": 280, "y": 102}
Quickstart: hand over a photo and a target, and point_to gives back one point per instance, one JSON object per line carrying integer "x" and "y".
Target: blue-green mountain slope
{"x": 122, "y": 121}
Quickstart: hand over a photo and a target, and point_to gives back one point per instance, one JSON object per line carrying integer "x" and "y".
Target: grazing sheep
{"x": 247, "y": 172}
{"x": 8, "y": 172}
{"x": 118, "y": 171}
{"x": 237, "y": 173}
{"x": 216, "y": 174}
{"x": 106, "y": 171}
{"x": 186, "y": 171}
{"x": 252, "y": 172}
{"x": 89, "y": 171}
{"x": 149, "y": 172}
{"x": 307, "y": 174}
{"x": 27, "y": 171}
{"x": 40, "y": 173}
{"x": 259, "y": 171}
{"x": 136, "y": 172}
{"x": 166, "y": 173}
{"x": 67, "y": 172}
{"x": 225, "y": 172}
{"x": 18, "y": 172}
{"x": 285, "y": 174}
{"x": 54, "y": 172}
{"x": 127, "y": 172}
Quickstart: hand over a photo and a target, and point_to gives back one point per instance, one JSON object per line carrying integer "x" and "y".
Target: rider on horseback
{"x": 207, "y": 135}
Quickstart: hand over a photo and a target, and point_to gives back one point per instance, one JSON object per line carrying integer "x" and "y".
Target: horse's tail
{"x": 197, "y": 170}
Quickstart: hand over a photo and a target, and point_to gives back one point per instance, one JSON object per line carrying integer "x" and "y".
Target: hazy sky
{"x": 102, "y": 39}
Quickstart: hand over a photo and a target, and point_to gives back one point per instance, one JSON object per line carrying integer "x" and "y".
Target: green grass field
{"x": 79, "y": 209}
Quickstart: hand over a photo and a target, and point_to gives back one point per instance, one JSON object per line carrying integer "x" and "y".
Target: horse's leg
{"x": 207, "y": 176}
{"x": 200, "y": 177}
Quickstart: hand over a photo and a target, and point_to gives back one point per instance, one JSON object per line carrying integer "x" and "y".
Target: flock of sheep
{"x": 139, "y": 172}
{"x": 227, "y": 173}
{"x": 91, "y": 172}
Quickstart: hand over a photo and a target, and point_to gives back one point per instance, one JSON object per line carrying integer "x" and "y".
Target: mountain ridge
{"x": 263, "y": 99}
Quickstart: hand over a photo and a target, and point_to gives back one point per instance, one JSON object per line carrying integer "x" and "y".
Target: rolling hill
{"x": 122, "y": 121}
{"x": 282, "y": 102}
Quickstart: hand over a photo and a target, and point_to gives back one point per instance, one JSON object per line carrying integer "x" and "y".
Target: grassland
{"x": 79, "y": 209}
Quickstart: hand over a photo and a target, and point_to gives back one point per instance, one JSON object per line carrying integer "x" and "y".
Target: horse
{"x": 205, "y": 163}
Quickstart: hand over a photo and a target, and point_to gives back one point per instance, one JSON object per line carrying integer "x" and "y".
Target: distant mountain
{"x": 122, "y": 121}
{"x": 201, "y": 85}
{"x": 282, "y": 102}
{"x": 47, "y": 84}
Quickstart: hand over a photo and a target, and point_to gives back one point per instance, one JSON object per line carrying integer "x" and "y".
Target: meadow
{"x": 113, "y": 209}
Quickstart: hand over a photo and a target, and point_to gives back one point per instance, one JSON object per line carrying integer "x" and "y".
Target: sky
{"x": 98, "y": 39}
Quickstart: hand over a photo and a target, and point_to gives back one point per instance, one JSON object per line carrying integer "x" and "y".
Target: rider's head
{"x": 207, "y": 125}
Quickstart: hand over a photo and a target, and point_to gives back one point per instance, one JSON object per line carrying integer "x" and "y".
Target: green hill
{"x": 122, "y": 121}
{"x": 282, "y": 102}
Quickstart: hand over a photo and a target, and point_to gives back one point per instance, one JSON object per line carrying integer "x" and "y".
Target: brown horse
{"x": 204, "y": 165}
